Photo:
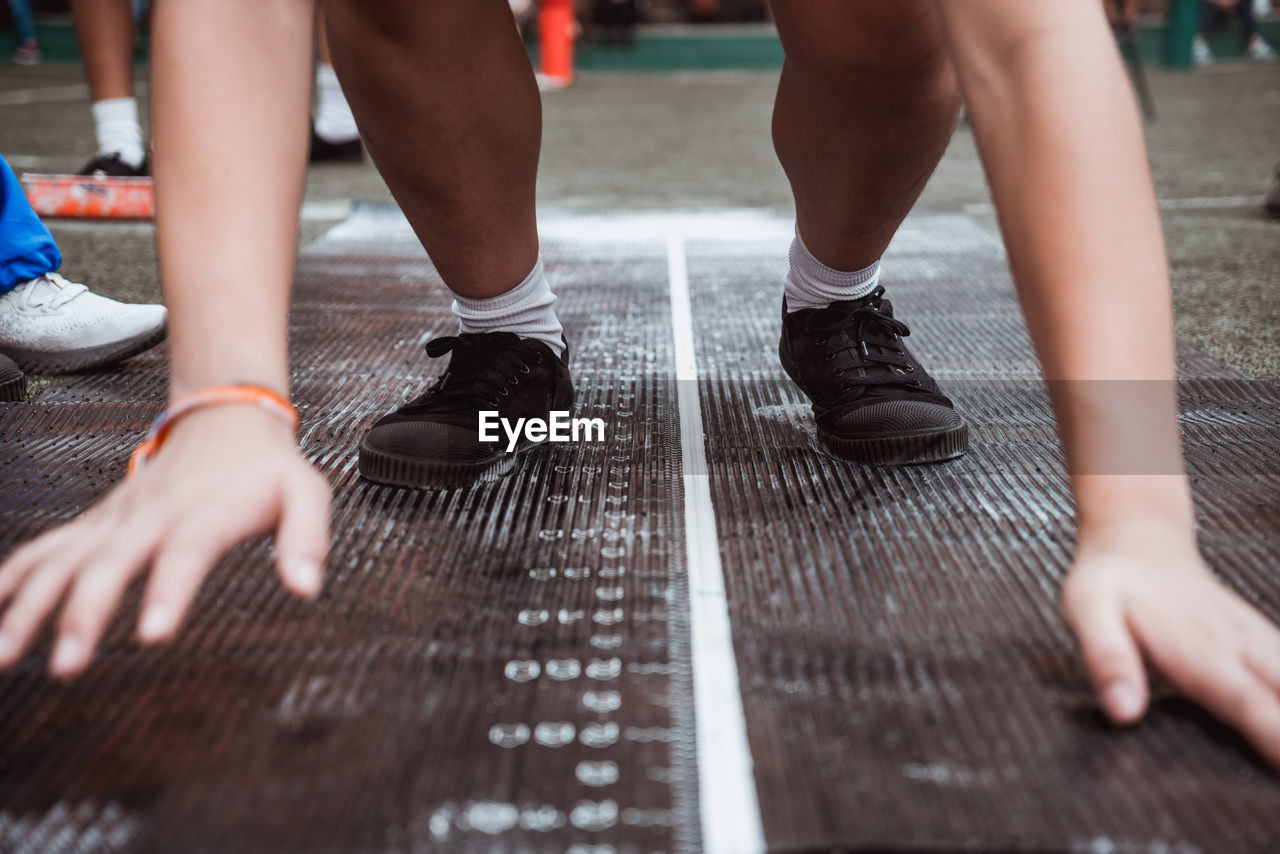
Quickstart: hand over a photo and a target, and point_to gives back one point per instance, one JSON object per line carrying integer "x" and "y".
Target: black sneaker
{"x": 111, "y": 166}
{"x": 434, "y": 442}
{"x": 323, "y": 151}
{"x": 13, "y": 384}
{"x": 873, "y": 401}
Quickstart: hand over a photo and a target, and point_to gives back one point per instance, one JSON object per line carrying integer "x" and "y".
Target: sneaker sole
{"x": 907, "y": 450}
{"x": 13, "y": 390}
{"x": 36, "y": 362}
{"x": 416, "y": 473}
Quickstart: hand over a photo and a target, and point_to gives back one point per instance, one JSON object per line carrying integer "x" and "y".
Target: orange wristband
{"x": 222, "y": 395}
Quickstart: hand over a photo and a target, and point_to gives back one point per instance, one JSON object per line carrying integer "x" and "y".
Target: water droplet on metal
{"x": 531, "y": 617}
{"x": 553, "y": 733}
{"x": 562, "y": 669}
{"x": 489, "y": 817}
{"x": 542, "y": 819}
{"x": 594, "y": 817}
{"x": 605, "y": 670}
{"x": 523, "y": 671}
{"x": 509, "y": 735}
{"x": 596, "y": 774}
{"x": 602, "y": 701}
{"x": 610, "y": 617}
{"x": 599, "y": 735}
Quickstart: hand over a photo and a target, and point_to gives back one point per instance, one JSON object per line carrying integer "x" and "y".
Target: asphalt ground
{"x": 633, "y": 143}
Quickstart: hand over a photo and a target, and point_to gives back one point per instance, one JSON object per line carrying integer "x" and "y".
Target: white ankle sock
{"x": 334, "y": 121}
{"x": 528, "y": 310}
{"x": 812, "y": 284}
{"x": 116, "y": 120}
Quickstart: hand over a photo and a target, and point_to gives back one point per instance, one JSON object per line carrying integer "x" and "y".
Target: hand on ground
{"x": 1142, "y": 593}
{"x": 225, "y": 475}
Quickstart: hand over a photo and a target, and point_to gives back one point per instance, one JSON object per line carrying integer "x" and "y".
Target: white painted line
{"x": 1209, "y": 202}
{"x": 726, "y": 780}
{"x": 44, "y": 95}
{"x": 25, "y": 161}
{"x": 52, "y": 94}
{"x": 326, "y": 209}
{"x": 1194, "y": 203}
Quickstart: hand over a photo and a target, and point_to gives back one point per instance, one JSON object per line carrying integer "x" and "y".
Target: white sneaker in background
{"x": 51, "y": 326}
{"x": 1259, "y": 50}
{"x": 1200, "y": 53}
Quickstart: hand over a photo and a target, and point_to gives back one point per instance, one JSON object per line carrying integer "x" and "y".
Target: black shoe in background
{"x": 111, "y": 166}
{"x": 13, "y": 384}
{"x": 433, "y": 442}
{"x": 874, "y": 403}
{"x": 323, "y": 151}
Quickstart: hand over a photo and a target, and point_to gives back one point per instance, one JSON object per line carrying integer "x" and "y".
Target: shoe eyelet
{"x": 831, "y": 357}
{"x": 504, "y": 393}
{"x": 911, "y": 369}
{"x": 514, "y": 381}
{"x": 820, "y": 341}
{"x": 524, "y": 369}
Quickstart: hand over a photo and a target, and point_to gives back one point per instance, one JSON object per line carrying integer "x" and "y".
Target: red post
{"x": 555, "y": 31}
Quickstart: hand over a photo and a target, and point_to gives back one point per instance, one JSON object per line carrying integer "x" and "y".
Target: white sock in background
{"x": 812, "y": 284}
{"x": 528, "y": 310}
{"x": 116, "y": 120}
{"x": 334, "y": 121}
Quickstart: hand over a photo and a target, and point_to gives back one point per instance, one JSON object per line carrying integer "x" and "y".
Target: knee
{"x": 897, "y": 56}
{"x": 915, "y": 67}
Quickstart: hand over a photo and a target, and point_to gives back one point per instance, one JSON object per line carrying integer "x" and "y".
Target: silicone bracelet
{"x": 253, "y": 395}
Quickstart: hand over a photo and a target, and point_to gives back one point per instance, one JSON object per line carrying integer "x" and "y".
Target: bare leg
{"x": 865, "y": 109}
{"x": 322, "y": 37}
{"x": 105, "y": 30}
{"x": 451, "y": 114}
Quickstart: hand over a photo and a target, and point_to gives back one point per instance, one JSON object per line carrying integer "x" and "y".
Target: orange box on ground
{"x": 90, "y": 196}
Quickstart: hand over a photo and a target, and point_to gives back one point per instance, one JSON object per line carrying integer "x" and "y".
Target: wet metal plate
{"x": 908, "y": 681}
{"x": 496, "y": 669}
{"x": 516, "y": 667}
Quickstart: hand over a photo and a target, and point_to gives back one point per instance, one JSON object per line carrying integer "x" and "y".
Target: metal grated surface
{"x": 483, "y": 663}
{"x": 908, "y": 682}
{"x": 499, "y": 669}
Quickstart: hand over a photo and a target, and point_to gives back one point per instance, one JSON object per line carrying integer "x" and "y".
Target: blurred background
{"x": 669, "y": 109}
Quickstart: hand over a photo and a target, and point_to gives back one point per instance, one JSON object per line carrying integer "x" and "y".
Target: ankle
{"x": 528, "y": 310}
{"x": 812, "y": 284}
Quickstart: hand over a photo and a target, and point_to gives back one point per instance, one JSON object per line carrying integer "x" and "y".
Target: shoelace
{"x": 484, "y": 368}
{"x": 862, "y": 340}
{"x": 49, "y": 291}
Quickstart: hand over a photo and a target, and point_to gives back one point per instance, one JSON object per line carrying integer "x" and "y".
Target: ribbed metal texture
{"x": 498, "y": 669}
{"x": 507, "y": 668}
{"x": 908, "y": 680}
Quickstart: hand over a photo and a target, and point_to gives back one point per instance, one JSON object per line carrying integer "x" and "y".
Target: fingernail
{"x": 156, "y": 623}
{"x": 1122, "y": 701}
{"x": 306, "y": 575}
{"x": 68, "y": 655}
